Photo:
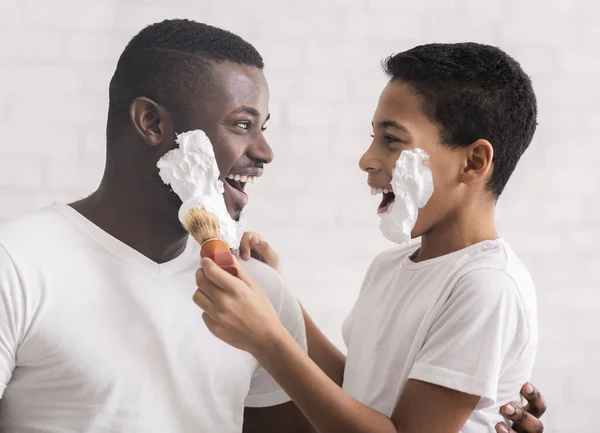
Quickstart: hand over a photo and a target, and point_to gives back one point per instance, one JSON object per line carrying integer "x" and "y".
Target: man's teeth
{"x": 243, "y": 179}
{"x": 375, "y": 191}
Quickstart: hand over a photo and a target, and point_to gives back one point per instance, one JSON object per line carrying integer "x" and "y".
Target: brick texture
{"x": 322, "y": 62}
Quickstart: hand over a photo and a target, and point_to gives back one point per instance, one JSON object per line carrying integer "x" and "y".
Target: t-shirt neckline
{"x": 124, "y": 251}
{"x": 409, "y": 264}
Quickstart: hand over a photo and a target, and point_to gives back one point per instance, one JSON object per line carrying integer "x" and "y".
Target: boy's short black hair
{"x": 166, "y": 60}
{"x": 473, "y": 91}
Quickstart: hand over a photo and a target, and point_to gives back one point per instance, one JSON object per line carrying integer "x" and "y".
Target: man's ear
{"x": 151, "y": 121}
{"x": 478, "y": 161}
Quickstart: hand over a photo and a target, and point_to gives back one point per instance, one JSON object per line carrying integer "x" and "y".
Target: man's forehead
{"x": 242, "y": 83}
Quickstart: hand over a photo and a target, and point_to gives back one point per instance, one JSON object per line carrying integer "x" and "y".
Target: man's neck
{"x": 134, "y": 222}
{"x": 466, "y": 228}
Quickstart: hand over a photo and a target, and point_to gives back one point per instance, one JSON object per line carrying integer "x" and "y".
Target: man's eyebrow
{"x": 391, "y": 124}
{"x": 248, "y": 110}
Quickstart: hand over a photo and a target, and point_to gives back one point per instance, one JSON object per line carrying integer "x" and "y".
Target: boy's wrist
{"x": 273, "y": 345}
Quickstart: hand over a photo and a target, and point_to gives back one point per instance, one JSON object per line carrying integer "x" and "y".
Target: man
{"x": 98, "y": 331}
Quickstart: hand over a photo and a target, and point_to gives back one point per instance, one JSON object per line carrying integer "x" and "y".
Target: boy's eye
{"x": 388, "y": 139}
{"x": 243, "y": 125}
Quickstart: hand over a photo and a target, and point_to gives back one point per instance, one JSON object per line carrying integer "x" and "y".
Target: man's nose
{"x": 260, "y": 150}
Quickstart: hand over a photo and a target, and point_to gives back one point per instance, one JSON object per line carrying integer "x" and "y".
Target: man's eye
{"x": 243, "y": 125}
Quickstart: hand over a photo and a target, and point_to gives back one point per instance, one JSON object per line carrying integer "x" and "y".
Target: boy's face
{"x": 399, "y": 123}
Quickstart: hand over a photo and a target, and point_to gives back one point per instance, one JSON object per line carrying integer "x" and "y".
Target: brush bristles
{"x": 202, "y": 225}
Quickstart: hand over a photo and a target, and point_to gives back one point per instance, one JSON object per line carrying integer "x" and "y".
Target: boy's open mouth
{"x": 386, "y": 201}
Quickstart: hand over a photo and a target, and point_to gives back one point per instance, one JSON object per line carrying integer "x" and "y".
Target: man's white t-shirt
{"x": 97, "y": 338}
{"x": 465, "y": 321}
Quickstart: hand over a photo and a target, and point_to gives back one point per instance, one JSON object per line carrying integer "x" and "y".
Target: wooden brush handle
{"x": 219, "y": 252}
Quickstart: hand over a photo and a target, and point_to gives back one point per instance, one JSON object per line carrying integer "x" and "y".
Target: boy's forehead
{"x": 400, "y": 104}
{"x": 397, "y": 99}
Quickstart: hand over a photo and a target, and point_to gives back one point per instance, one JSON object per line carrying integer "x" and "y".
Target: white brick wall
{"x": 322, "y": 62}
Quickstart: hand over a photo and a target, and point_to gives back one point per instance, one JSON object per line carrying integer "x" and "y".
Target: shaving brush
{"x": 204, "y": 227}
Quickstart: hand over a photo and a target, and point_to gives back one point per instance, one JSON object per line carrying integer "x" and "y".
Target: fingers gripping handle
{"x": 219, "y": 252}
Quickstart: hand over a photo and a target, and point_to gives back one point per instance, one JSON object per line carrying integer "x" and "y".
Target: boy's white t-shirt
{"x": 466, "y": 321}
{"x": 97, "y": 338}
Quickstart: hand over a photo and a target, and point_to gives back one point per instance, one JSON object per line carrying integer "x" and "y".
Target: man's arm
{"x": 12, "y": 317}
{"x": 283, "y": 418}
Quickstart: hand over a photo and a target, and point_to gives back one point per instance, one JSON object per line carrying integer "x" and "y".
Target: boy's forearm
{"x": 323, "y": 402}
{"x": 323, "y": 352}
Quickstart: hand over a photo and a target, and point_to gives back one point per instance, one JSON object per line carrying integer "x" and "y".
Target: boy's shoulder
{"x": 496, "y": 255}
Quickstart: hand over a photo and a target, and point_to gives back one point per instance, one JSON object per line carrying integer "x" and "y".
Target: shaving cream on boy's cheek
{"x": 412, "y": 183}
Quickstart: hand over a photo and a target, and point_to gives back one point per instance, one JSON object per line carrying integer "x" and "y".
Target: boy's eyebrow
{"x": 391, "y": 124}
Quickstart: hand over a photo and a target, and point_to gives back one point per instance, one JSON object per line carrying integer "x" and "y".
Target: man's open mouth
{"x": 386, "y": 201}
{"x": 235, "y": 185}
{"x": 238, "y": 182}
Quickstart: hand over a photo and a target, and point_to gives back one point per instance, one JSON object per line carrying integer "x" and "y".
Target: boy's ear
{"x": 478, "y": 161}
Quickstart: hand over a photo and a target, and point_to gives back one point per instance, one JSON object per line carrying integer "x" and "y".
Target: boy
{"x": 431, "y": 313}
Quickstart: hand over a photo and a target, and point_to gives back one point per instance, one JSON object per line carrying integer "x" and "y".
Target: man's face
{"x": 233, "y": 114}
{"x": 399, "y": 123}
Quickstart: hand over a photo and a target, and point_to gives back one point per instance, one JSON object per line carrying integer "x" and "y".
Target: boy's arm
{"x": 323, "y": 352}
{"x": 423, "y": 408}
{"x": 238, "y": 312}
{"x": 525, "y": 419}
{"x": 320, "y": 349}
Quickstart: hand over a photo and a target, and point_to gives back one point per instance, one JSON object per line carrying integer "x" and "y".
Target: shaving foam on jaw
{"x": 192, "y": 172}
{"x": 412, "y": 183}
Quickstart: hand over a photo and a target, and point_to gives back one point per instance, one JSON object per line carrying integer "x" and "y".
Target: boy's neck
{"x": 463, "y": 229}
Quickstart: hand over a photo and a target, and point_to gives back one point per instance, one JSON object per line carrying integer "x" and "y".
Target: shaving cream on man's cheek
{"x": 192, "y": 172}
{"x": 412, "y": 183}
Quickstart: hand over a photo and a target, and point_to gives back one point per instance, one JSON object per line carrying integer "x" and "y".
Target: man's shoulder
{"x": 32, "y": 229}
{"x": 268, "y": 279}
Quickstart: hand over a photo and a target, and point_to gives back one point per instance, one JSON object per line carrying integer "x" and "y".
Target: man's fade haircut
{"x": 472, "y": 91}
{"x": 166, "y": 61}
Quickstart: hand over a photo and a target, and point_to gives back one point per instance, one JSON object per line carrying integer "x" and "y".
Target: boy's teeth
{"x": 375, "y": 191}
{"x": 243, "y": 179}
{"x": 236, "y": 177}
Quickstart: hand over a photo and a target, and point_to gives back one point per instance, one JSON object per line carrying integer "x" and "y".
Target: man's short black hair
{"x": 473, "y": 91}
{"x": 166, "y": 60}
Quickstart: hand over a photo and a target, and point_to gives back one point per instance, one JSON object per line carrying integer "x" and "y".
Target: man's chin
{"x": 235, "y": 213}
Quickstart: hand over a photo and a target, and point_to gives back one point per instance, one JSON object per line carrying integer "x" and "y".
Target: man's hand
{"x": 526, "y": 419}
{"x": 236, "y": 310}
{"x": 253, "y": 245}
